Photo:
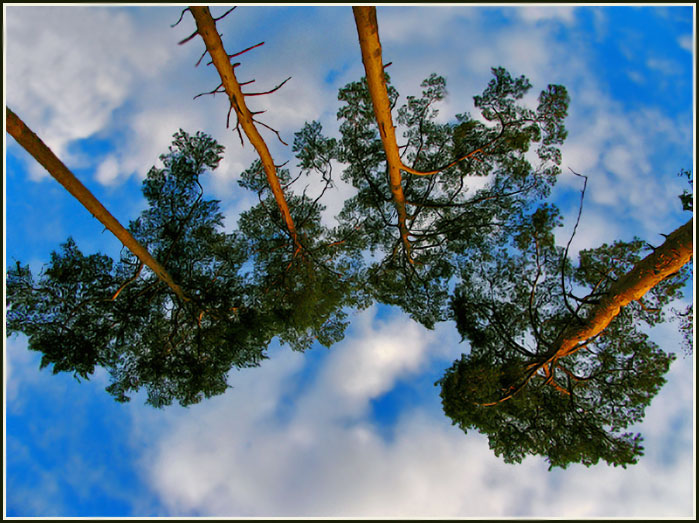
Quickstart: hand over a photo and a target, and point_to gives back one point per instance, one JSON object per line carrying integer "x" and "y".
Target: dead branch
{"x": 570, "y": 240}
{"x": 215, "y": 91}
{"x": 225, "y": 14}
{"x": 180, "y": 18}
{"x": 200, "y": 58}
{"x": 181, "y": 42}
{"x": 271, "y": 129}
{"x": 268, "y": 92}
{"x": 245, "y": 50}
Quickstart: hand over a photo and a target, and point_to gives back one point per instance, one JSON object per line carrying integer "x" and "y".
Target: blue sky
{"x": 356, "y": 430}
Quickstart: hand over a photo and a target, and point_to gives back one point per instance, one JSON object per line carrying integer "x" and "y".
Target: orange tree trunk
{"x": 42, "y": 154}
{"x": 368, "y": 31}
{"x": 664, "y": 261}
{"x": 206, "y": 27}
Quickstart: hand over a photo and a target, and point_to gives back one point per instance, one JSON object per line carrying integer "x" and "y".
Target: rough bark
{"x": 664, "y": 261}
{"x": 42, "y": 154}
{"x": 206, "y": 27}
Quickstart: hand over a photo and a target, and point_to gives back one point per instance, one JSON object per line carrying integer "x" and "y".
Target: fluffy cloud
{"x": 262, "y": 450}
{"x": 686, "y": 42}
{"x": 298, "y": 436}
{"x": 564, "y": 14}
{"x": 69, "y": 68}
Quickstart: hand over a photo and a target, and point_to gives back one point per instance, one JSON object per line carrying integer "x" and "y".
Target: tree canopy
{"x": 449, "y": 222}
{"x": 523, "y": 383}
{"x": 243, "y": 290}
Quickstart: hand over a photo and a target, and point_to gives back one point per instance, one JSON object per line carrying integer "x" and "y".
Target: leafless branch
{"x": 180, "y": 18}
{"x": 271, "y": 129}
{"x": 270, "y": 91}
{"x": 201, "y": 58}
{"x": 215, "y": 91}
{"x": 570, "y": 240}
{"x": 225, "y": 14}
{"x": 245, "y": 50}
{"x": 195, "y": 33}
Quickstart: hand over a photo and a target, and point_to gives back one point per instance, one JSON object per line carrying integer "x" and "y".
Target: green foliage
{"x": 447, "y": 217}
{"x": 477, "y": 226}
{"x": 56, "y": 311}
{"x": 244, "y": 288}
{"x": 687, "y": 197}
{"x": 89, "y": 311}
{"x": 513, "y": 306}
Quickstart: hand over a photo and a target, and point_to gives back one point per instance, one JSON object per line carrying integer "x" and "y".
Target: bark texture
{"x": 206, "y": 27}
{"x": 42, "y": 154}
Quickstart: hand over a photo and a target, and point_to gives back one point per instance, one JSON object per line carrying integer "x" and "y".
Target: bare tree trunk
{"x": 206, "y": 27}
{"x": 368, "y": 31}
{"x": 664, "y": 261}
{"x": 42, "y": 154}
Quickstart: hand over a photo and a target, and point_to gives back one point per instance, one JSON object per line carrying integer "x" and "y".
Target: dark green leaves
{"x": 512, "y": 306}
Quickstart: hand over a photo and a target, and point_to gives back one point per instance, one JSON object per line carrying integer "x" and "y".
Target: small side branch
{"x": 195, "y": 33}
{"x": 225, "y": 14}
{"x": 123, "y": 285}
{"x": 180, "y": 18}
{"x": 201, "y": 58}
{"x": 245, "y": 50}
{"x": 270, "y": 91}
{"x": 570, "y": 240}
{"x": 215, "y": 91}
{"x": 271, "y": 129}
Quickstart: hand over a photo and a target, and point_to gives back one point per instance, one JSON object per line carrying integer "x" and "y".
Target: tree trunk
{"x": 42, "y": 154}
{"x": 206, "y": 27}
{"x": 368, "y": 31}
{"x": 664, "y": 261}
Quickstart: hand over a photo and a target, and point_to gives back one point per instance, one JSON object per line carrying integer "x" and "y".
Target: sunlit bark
{"x": 664, "y": 261}
{"x": 42, "y": 154}
{"x": 368, "y": 31}
{"x": 206, "y": 27}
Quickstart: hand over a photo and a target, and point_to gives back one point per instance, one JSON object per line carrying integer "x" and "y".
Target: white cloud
{"x": 278, "y": 444}
{"x": 69, "y": 68}
{"x": 565, "y": 14}
{"x": 664, "y": 66}
{"x": 108, "y": 171}
{"x": 272, "y": 448}
{"x": 686, "y": 42}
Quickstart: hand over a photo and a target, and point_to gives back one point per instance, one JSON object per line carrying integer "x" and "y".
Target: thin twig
{"x": 271, "y": 129}
{"x": 195, "y": 33}
{"x": 270, "y": 91}
{"x": 225, "y": 14}
{"x": 201, "y": 58}
{"x": 181, "y": 15}
{"x": 245, "y": 50}
{"x": 211, "y": 92}
{"x": 570, "y": 240}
